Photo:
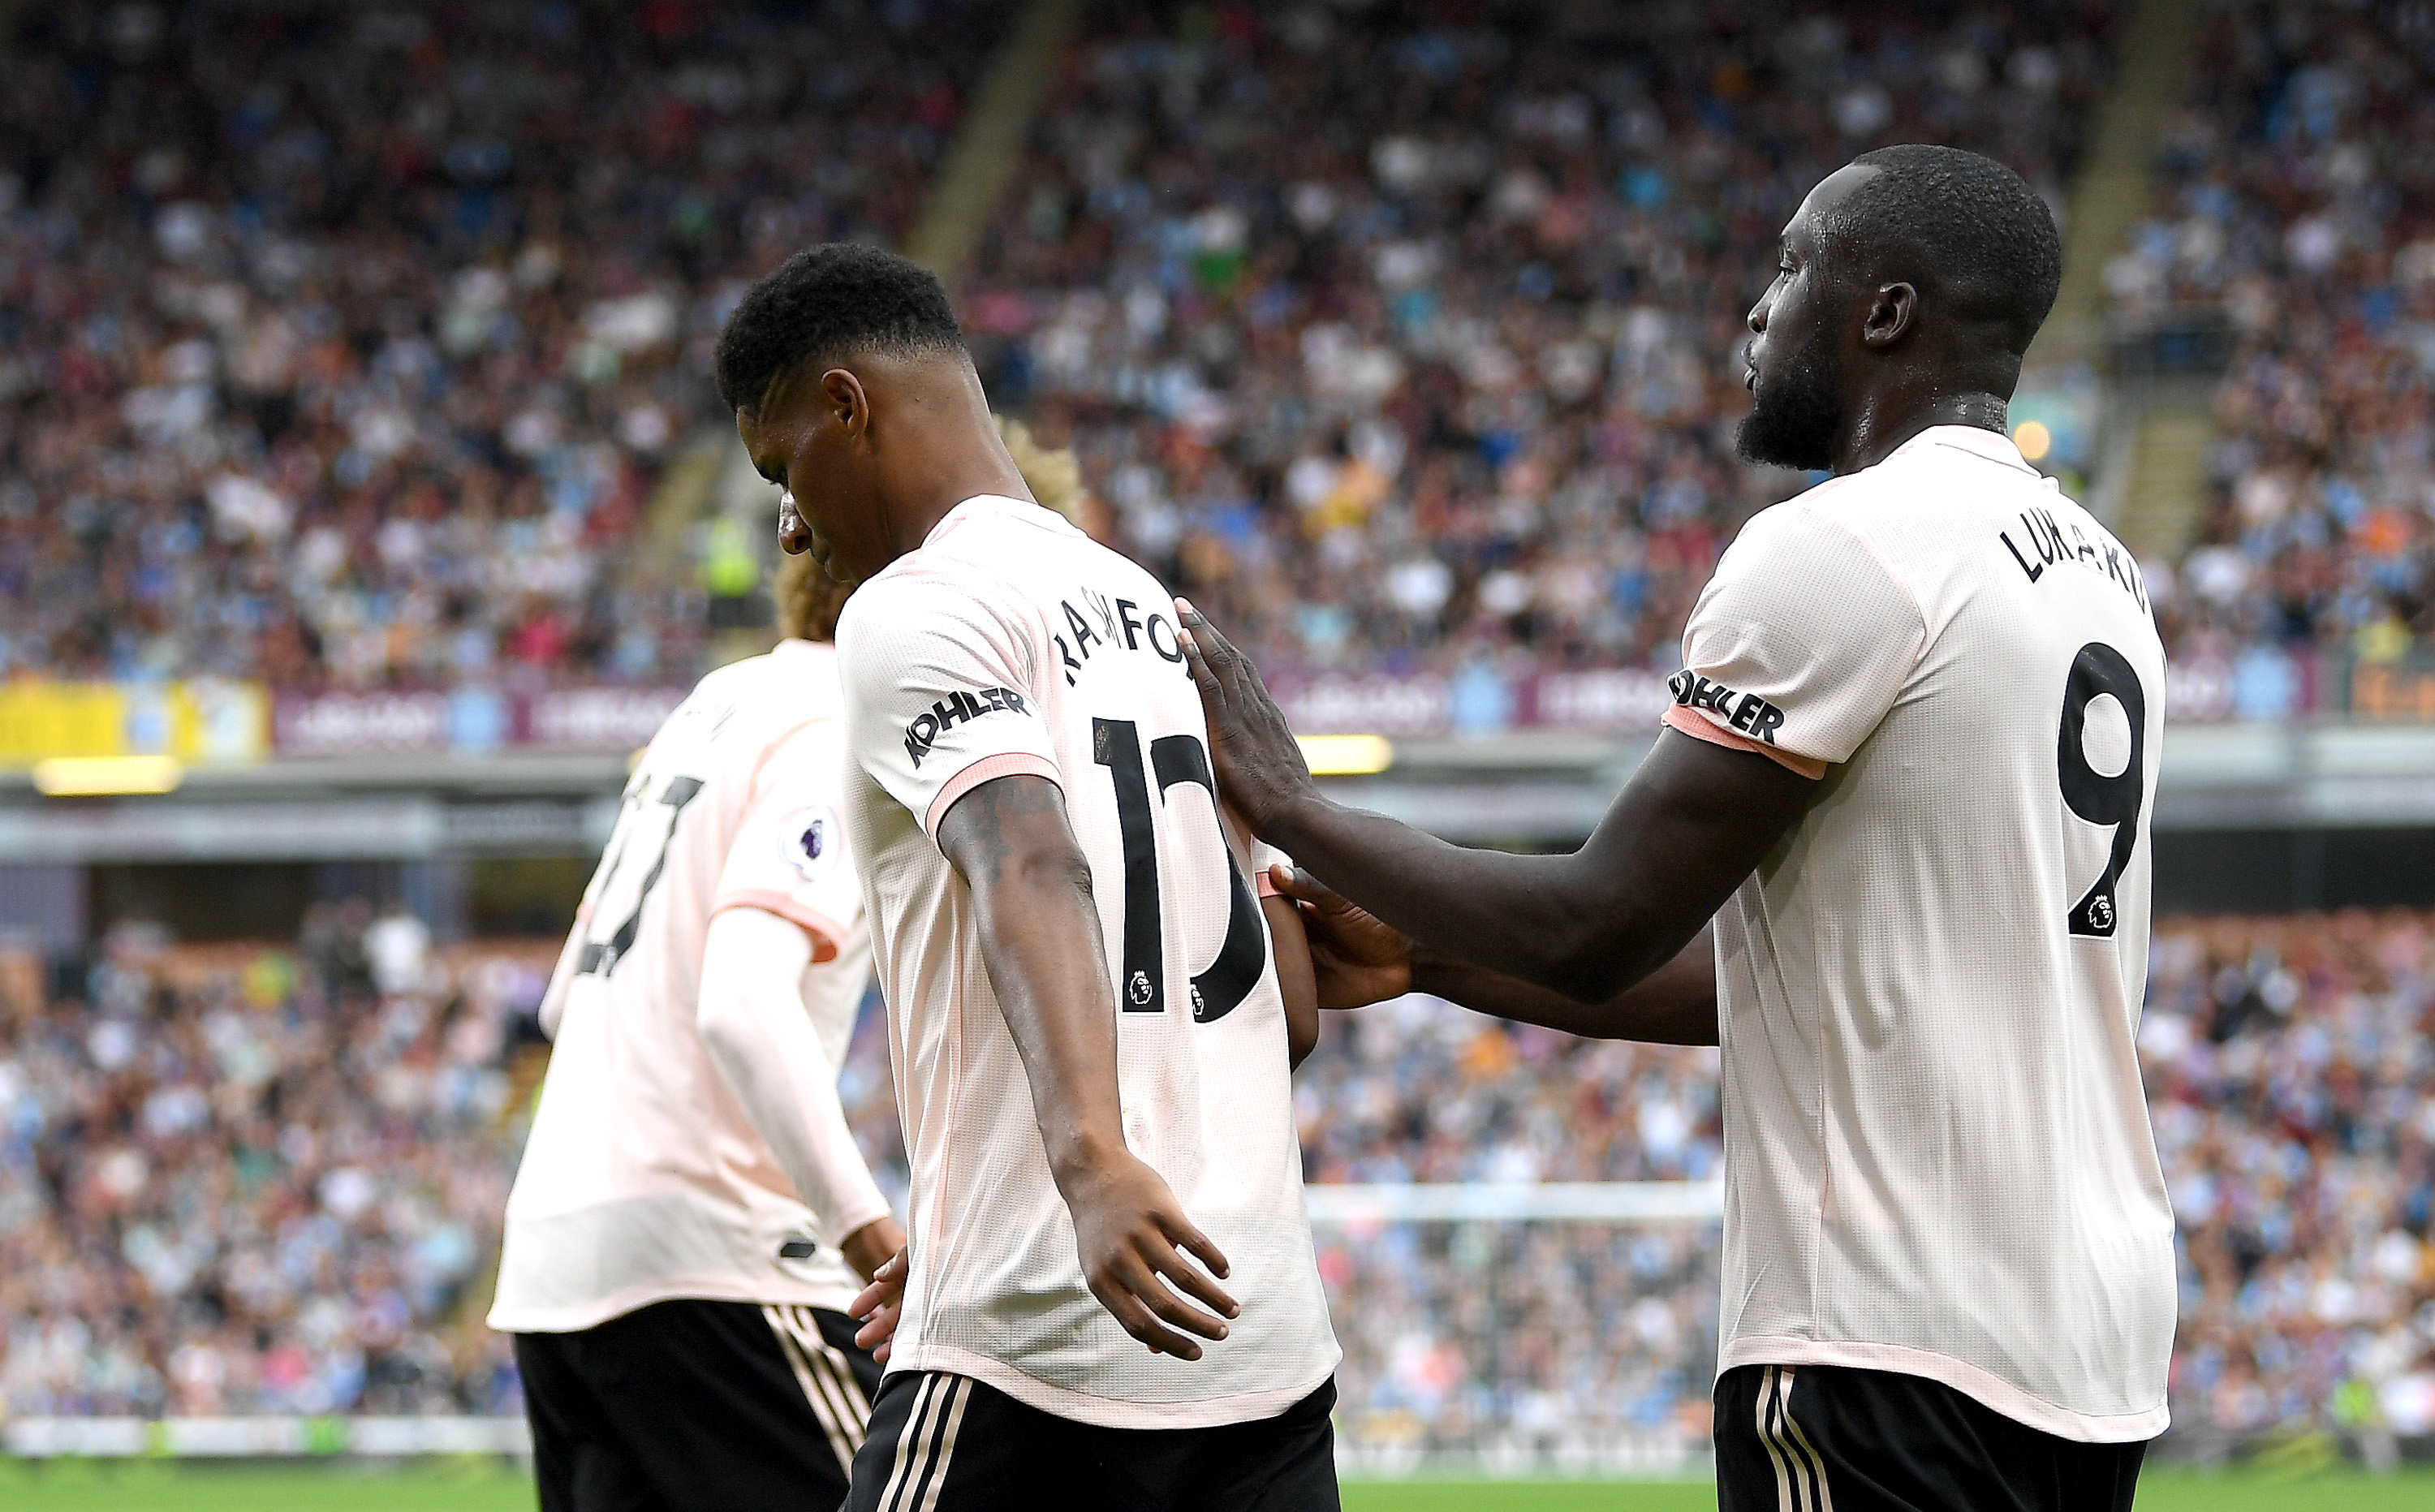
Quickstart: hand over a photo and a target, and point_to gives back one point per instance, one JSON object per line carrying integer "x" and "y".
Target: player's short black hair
{"x": 1966, "y": 225}
{"x": 825, "y": 303}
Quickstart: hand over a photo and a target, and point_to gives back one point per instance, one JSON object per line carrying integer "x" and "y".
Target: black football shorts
{"x": 1824, "y": 1439}
{"x": 947, "y": 1443}
{"x": 686, "y": 1406}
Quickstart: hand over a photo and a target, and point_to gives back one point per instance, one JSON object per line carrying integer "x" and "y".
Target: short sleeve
{"x": 942, "y": 679}
{"x": 1262, "y": 856}
{"x": 1798, "y": 645}
{"x": 788, "y": 857}
{"x": 1254, "y": 854}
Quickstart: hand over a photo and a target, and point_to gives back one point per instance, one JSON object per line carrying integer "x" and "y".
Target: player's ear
{"x": 1892, "y": 311}
{"x": 849, "y": 408}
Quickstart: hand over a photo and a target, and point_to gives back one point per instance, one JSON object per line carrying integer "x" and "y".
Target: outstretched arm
{"x": 1358, "y": 961}
{"x": 1694, "y": 819}
{"x": 1040, "y": 939}
{"x": 1674, "y": 1004}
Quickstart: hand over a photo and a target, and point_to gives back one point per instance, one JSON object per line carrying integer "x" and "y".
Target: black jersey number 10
{"x": 2099, "y": 670}
{"x": 1115, "y": 743}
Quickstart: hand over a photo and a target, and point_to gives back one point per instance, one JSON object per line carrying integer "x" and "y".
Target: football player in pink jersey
{"x": 1899, "y": 816}
{"x": 1092, "y": 1012}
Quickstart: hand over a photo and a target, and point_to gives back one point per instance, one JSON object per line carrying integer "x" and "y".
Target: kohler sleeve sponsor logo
{"x": 1746, "y": 711}
{"x": 925, "y": 729}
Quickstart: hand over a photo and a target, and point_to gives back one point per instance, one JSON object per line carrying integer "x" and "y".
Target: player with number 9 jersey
{"x": 1009, "y": 643}
{"x": 1938, "y": 1153}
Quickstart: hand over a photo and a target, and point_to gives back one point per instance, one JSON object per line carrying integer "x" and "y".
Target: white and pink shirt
{"x": 1936, "y": 1152}
{"x": 1011, "y": 643}
{"x": 644, "y": 1179}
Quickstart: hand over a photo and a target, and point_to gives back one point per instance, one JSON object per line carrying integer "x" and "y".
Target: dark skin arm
{"x": 1295, "y": 977}
{"x": 1358, "y": 961}
{"x": 882, "y": 1302}
{"x": 1039, "y": 929}
{"x": 1694, "y": 819}
{"x": 1290, "y": 948}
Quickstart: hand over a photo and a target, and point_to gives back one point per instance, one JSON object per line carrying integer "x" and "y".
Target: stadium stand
{"x": 344, "y": 348}
{"x": 340, "y": 351}
{"x": 1407, "y": 345}
{"x": 241, "y": 1179}
{"x": 245, "y": 1179}
{"x": 2289, "y": 1075}
{"x": 2298, "y": 224}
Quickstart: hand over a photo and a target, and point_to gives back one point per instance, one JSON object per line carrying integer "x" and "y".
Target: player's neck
{"x": 945, "y": 449}
{"x": 1881, "y": 424}
{"x": 925, "y": 501}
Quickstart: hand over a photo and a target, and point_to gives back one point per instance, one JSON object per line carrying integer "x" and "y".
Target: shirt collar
{"x": 981, "y": 503}
{"x": 1988, "y": 444}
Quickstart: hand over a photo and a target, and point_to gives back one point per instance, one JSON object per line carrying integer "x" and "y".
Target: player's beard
{"x": 1796, "y": 410}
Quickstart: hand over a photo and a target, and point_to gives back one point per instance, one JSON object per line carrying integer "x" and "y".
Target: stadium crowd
{"x": 2291, "y": 1075}
{"x": 2300, "y": 219}
{"x": 342, "y": 345}
{"x": 342, "y": 348}
{"x": 1411, "y": 345}
{"x": 260, "y": 1180}
{"x": 2291, "y": 1082}
{"x": 250, "y": 1179}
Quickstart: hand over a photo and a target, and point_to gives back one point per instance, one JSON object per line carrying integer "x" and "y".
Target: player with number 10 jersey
{"x": 1009, "y": 643}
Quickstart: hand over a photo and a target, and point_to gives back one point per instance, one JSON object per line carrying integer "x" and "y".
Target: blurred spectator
{"x": 237, "y": 1180}
{"x": 341, "y": 345}
{"x": 242, "y": 1181}
{"x": 1410, "y": 343}
{"x": 2300, "y": 215}
{"x": 2291, "y": 1080}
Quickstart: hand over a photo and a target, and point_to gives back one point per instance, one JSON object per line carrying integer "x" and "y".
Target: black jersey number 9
{"x": 1115, "y": 743}
{"x": 2100, "y": 669}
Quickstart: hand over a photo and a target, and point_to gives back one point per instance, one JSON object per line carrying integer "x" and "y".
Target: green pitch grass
{"x": 2159, "y": 1492}
{"x": 484, "y": 1486}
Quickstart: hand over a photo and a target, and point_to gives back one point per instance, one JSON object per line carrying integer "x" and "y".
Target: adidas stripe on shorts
{"x": 948, "y": 1443}
{"x": 1826, "y": 1438}
{"x": 698, "y": 1405}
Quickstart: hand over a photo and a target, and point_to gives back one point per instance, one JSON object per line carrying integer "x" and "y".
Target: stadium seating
{"x": 344, "y": 347}
{"x": 2299, "y": 216}
{"x": 1409, "y": 346}
{"x": 245, "y": 1179}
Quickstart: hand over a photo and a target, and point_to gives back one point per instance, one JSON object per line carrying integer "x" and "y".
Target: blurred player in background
{"x": 1091, "y": 1027}
{"x": 1908, "y": 774}
{"x": 692, "y": 1215}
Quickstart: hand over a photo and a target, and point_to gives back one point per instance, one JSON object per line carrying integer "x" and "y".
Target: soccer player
{"x": 1087, "y": 1014}
{"x": 1908, "y": 773}
{"x": 692, "y": 1215}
